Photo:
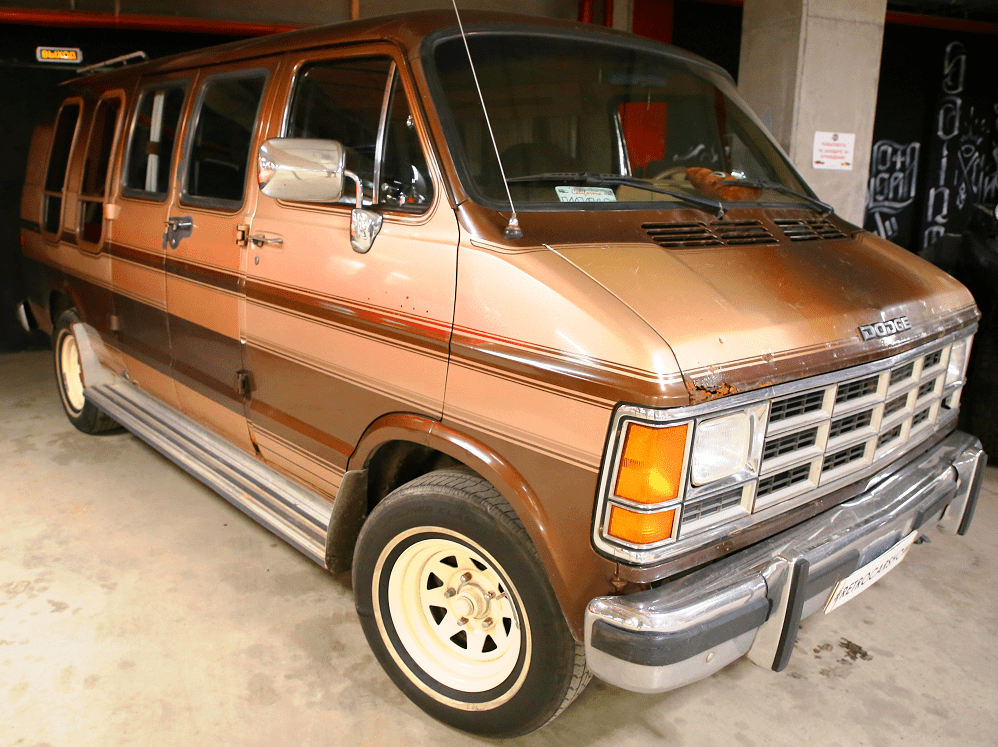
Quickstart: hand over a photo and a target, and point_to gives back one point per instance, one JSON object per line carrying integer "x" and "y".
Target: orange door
{"x": 337, "y": 338}
{"x": 138, "y": 248}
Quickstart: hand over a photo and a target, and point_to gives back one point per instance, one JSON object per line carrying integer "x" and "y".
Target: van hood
{"x": 742, "y": 317}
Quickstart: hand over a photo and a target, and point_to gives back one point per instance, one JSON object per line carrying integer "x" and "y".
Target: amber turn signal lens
{"x": 651, "y": 465}
{"x": 638, "y": 528}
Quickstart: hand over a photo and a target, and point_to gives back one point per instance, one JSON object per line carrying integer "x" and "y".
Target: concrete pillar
{"x": 813, "y": 65}
{"x": 623, "y": 14}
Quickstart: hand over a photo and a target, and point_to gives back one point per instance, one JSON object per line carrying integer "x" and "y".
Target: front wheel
{"x": 455, "y": 604}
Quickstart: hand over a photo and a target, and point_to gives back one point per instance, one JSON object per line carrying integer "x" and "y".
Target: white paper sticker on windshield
{"x": 585, "y": 194}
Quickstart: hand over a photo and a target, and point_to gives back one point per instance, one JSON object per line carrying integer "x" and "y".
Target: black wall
{"x": 935, "y": 151}
{"x": 31, "y": 93}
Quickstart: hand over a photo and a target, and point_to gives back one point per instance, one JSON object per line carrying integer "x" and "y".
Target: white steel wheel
{"x": 455, "y": 614}
{"x": 69, "y": 378}
{"x": 457, "y": 608}
{"x": 71, "y": 372}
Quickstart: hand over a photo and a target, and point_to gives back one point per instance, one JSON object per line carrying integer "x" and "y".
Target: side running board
{"x": 293, "y": 513}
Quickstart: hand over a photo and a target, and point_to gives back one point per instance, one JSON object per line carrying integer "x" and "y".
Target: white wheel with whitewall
{"x": 455, "y": 604}
{"x": 453, "y": 612}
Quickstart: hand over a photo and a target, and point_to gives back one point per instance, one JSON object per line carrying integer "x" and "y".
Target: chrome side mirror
{"x": 364, "y": 224}
{"x": 312, "y": 170}
{"x": 303, "y": 170}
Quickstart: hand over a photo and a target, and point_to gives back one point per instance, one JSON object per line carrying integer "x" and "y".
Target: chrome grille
{"x": 885, "y": 438}
{"x": 715, "y": 504}
{"x": 843, "y": 457}
{"x": 902, "y": 373}
{"x": 822, "y": 435}
{"x": 782, "y": 480}
{"x": 799, "y": 404}
{"x": 789, "y": 444}
{"x": 807, "y": 442}
{"x": 895, "y": 405}
{"x": 856, "y": 389}
{"x": 850, "y": 423}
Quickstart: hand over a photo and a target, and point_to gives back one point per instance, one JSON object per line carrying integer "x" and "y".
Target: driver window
{"x": 344, "y": 100}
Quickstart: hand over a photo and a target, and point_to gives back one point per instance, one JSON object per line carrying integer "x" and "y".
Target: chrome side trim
{"x": 294, "y": 514}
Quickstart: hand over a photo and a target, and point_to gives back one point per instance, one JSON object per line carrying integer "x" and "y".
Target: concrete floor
{"x": 138, "y": 608}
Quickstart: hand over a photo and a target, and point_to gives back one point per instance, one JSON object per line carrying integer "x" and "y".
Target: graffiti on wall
{"x": 893, "y": 178}
{"x": 967, "y": 170}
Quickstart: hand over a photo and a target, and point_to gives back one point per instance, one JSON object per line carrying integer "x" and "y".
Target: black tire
{"x": 81, "y": 413}
{"x": 455, "y": 525}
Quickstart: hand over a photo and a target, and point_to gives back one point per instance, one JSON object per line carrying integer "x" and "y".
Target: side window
{"x": 94, "y": 188}
{"x": 347, "y": 100}
{"x": 150, "y": 152}
{"x": 55, "y": 177}
{"x": 405, "y": 178}
{"x": 218, "y": 153}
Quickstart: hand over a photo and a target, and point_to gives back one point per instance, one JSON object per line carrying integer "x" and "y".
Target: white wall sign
{"x": 834, "y": 150}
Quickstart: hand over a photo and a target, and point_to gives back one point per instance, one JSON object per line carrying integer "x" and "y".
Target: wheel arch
{"x": 401, "y": 440}
{"x": 62, "y": 298}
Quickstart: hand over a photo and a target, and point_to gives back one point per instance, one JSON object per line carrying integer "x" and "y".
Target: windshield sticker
{"x": 585, "y": 194}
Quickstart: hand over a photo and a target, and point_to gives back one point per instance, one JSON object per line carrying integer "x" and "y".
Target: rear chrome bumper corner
{"x": 750, "y": 602}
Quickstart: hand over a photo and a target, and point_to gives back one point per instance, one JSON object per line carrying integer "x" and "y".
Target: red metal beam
{"x": 94, "y": 19}
{"x": 938, "y": 22}
{"x": 910, "y": 19}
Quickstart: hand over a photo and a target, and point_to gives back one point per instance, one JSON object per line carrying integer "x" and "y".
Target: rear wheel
{"x": 69, "y": 378}
{"x": 455, "y": 604}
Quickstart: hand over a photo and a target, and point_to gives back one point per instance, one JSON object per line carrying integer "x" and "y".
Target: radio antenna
{"x": 512, "y": 230}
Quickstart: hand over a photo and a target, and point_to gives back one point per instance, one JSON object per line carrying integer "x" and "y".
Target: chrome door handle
{"x": 177, "y": 229}
{"x": 175, "y": 223}
{"x": 259, "y": 239}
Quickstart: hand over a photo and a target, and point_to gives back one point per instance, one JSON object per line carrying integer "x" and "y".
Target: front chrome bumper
{"x": 751, "y": 602}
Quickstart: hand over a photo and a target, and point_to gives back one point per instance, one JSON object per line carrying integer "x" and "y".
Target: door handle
{"x": 259, "y": 239}
{"x": 180, "y": 223}
{"x": 177, "y": 228}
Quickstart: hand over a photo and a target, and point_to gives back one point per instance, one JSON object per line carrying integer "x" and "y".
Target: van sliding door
{"x": 215, "y": 198}
{"x": 138, "y": 251}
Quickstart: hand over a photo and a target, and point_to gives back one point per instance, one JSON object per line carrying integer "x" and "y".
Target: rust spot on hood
{"x": 700, "y": 393}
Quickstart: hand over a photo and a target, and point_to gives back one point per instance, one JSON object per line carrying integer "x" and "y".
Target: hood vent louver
{"x": 809, "y": 230}
{"x": 717, "y": 233}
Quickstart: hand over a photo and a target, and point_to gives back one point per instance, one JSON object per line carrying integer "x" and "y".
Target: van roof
{"x": 407, "y": 30}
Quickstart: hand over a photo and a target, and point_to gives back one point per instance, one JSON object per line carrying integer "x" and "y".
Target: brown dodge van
{"x": 677, "y": 408}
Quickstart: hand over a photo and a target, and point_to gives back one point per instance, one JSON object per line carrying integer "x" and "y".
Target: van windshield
{"x": 582, "y": 121}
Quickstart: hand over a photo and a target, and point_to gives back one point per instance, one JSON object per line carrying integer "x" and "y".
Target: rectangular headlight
{"x": 956, "y": 369}
{"x": 720, "y": 447}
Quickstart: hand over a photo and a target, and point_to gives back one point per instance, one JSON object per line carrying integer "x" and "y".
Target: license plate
{"x": 863, "y": 578}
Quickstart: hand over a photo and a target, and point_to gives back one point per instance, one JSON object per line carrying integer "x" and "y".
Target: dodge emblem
{"x": 884, "y": 328}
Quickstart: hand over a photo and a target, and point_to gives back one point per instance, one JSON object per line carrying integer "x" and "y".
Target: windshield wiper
{"x": 822, "y": 207}
{"x": 597, "y": 180}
